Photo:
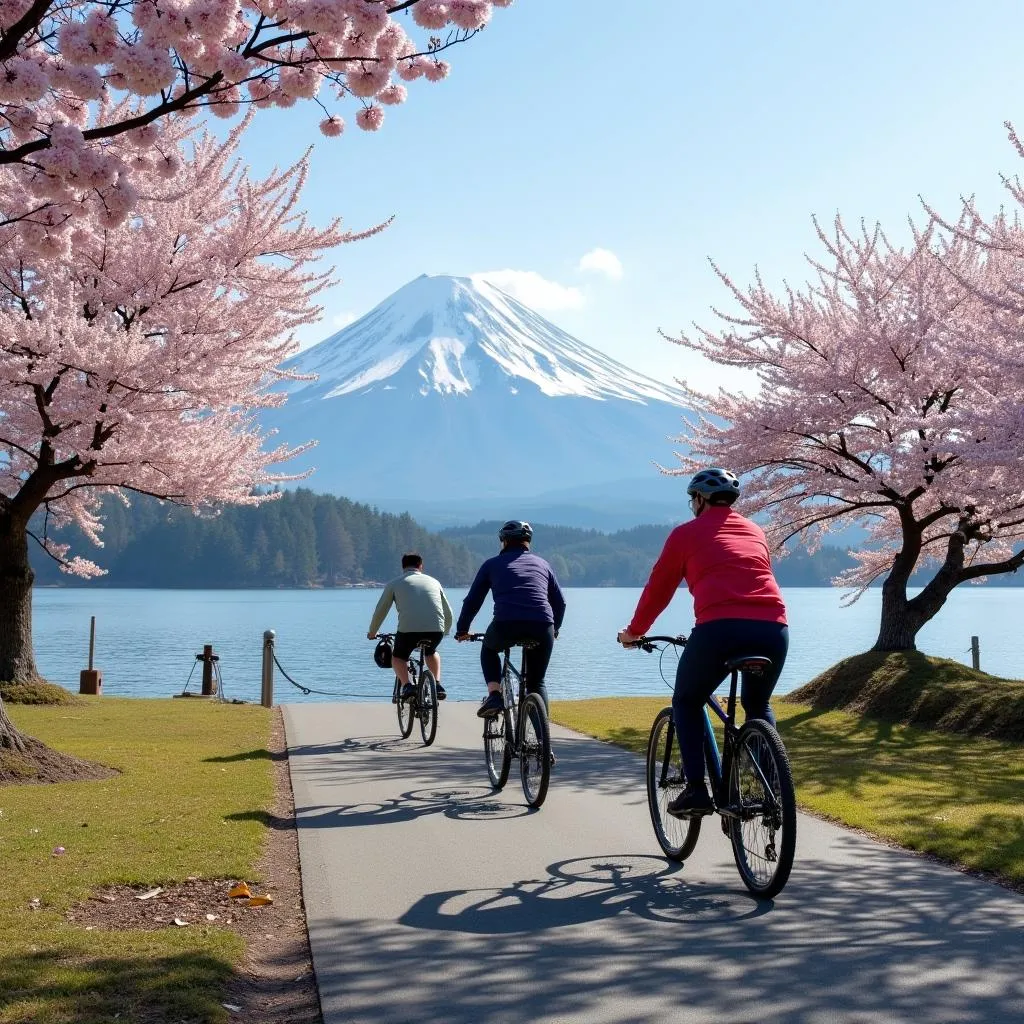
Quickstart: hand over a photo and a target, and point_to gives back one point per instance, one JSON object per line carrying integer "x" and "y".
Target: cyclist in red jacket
{"x": 738, "y": 608}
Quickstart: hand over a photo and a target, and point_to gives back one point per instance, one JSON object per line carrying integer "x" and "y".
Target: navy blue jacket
{"x": 524, "y": 589}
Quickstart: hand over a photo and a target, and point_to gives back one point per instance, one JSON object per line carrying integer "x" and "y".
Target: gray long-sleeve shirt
{"x": 421, "y": 602}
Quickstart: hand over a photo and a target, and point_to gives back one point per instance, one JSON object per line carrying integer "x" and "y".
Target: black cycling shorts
{"x": 406, "y": 643}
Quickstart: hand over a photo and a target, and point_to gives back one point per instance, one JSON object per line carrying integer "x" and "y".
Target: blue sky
{"x": 663, "y": 133}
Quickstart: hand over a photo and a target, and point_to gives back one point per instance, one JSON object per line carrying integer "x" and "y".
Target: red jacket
{"x": 724, "y": 559}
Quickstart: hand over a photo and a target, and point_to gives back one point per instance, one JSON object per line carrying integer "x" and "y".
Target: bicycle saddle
{"x": 754, "y": 663}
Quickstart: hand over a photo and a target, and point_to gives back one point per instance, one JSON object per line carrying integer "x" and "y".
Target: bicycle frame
{"x": 513, "y": 701}
{"x": 719, "y": 764}
{"x": 415, "y": 663}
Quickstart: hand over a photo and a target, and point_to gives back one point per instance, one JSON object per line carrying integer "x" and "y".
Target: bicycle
{"x": 520, "y": 731}
{"x": 422, "y": 704}
{"x": 751, "y": 784}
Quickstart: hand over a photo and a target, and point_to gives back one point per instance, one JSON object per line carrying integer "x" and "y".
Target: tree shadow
{"x": 71, "y": 984}
{"x": 261, "y": 754}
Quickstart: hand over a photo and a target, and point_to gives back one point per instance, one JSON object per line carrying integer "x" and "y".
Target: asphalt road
{"x": 432, "y": 898}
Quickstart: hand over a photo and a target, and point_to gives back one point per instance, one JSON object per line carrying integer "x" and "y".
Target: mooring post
{"x": 267, "y": 694}
{"x": 208, "y": 658}
{"x": 90, "y": 680}
{"x": 975, "y": 653}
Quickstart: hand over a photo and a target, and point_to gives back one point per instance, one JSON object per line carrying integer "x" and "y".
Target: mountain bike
{"x": 520, "y": 731}
{"x": 751, "y": 783}
{"x": 422, "y": 704}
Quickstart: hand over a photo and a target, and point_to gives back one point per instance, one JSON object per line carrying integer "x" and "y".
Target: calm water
{"x": 146, "y": 640}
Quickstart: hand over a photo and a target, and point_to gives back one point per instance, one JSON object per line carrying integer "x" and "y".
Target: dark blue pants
{"x": 702, "y": 669}
{"x": 500, "y": 635}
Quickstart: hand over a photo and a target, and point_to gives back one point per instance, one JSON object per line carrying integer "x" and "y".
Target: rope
{"x": 307, "y": 690}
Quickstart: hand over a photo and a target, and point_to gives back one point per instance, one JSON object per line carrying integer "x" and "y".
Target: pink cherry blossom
{"x": 888, "y": 394}
{"x": 136, "y": 349}
{"x": 370, "y": 118}
{"x": 431, "y": 14}
{"x": 332, "y": 127}
{"x": 436, "y": 70}
{"x": 393, "y": 94}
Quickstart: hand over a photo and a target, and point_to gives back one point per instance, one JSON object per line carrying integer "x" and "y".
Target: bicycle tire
{"x": 497, "y": 748}
{"x": 763, "y": 857}
{"x": 405, "y": 713}
{"x": 677, "y": 837}
{"x": 534, "y": 750}
{"x": 428, "y": 707}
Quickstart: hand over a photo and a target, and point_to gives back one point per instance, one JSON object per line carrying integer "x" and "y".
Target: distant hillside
{"x": 301, "y": 539}
{"x": 588, "y": 558}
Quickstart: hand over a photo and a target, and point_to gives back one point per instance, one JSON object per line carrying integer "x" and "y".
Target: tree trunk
{"x": 17, "y": 662}
{"x": 900, "y": 623}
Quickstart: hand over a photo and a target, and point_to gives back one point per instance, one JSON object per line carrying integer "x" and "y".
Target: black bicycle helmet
{"x": 516, "y": 529}
{"x": 382, "y": 654}
{"x": 719, "y": 486}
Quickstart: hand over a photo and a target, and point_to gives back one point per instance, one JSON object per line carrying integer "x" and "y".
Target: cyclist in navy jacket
{"x": 528, "y": 605}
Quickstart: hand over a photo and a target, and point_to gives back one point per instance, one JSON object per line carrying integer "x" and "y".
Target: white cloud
{"x": 602, "y": 261}
{"x": 340, "y": 320}
{"x": 533, "y": 290}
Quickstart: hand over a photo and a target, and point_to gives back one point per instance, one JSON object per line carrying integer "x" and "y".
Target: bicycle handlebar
{"x": 646, "y": 643}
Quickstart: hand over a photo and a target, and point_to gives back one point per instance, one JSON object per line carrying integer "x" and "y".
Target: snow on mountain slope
{"x": 451, "y": 331}
{"x": 452, "y": 390}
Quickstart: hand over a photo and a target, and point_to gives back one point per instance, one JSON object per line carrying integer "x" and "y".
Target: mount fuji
{"x": 456, "y": 402}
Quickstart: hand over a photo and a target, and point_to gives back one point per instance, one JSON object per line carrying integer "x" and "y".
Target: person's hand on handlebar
{"x": 371, "y": 636}
{"x": 626, "y": 638}
{"x": 462, "y": 637}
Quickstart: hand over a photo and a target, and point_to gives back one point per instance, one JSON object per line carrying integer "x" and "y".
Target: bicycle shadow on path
{"x": 616, "y": 937}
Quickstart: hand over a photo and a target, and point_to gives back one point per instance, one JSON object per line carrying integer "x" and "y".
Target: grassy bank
{"x": 954, "y": 796}
{"x": 192, "y": 773}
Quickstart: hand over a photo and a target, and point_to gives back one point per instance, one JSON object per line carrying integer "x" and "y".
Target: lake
{"x": 146, "y": 640}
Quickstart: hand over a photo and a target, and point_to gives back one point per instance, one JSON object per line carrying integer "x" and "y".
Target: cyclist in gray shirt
{"x": 423, "y": 615}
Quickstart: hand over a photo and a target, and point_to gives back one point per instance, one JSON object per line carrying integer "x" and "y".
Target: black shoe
{"x": 408, "y": 691}
{"x": 692, "y": 802}
{"x": 441, "y": 691}
{"x": 492, "y": 705}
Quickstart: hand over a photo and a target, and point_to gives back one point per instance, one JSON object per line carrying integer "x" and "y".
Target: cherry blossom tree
{"x": 136, "y": 359}
{"x": 76, "y": 75}
{"x": 890, "y": 396}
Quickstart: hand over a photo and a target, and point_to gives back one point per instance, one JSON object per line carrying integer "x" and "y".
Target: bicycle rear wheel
{"x": 665, "y": 781}
{"x": 497, "y": 748}
{"x": 404, "y": 709}
{"x": 534, "y": 750}
{"x": 428, "y": 707}
{"x": 761, "y": 792}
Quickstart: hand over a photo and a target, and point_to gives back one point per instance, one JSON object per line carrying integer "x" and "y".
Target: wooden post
{"x": 208, "y": 658}
{"x": 975, "y": 653}
{"x": 267, "y": 694}
{"x": 90, "y": 680}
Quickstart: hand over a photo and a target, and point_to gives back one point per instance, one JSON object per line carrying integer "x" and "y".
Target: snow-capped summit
{"x": 451, "y": 390}
{"x": 450, "y": 335}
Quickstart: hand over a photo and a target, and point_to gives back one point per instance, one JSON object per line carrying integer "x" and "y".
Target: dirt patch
{"x": 39, "y": 764}
{"x": 274, "y": 983}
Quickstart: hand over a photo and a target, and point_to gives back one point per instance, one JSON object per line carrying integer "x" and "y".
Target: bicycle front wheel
{"x": 665, "y": 781}
{"x": 404, "y": 709}
{"x": 534, "y": 750}
{"x": 428, "y": 707}
{"x": 497, "y": 748}
{"x": 762, "y": 795}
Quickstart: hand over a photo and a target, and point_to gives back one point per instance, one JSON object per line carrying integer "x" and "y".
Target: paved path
{"x": 430, "y": 898}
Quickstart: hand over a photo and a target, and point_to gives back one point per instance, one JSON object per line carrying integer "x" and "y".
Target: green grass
{"x": 953, "y": 796}
{"x": 182, "y": 806}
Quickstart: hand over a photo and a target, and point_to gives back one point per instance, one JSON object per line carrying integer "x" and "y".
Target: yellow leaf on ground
{"x": 260, "y": 901}
{"x": 242, "y": 889}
